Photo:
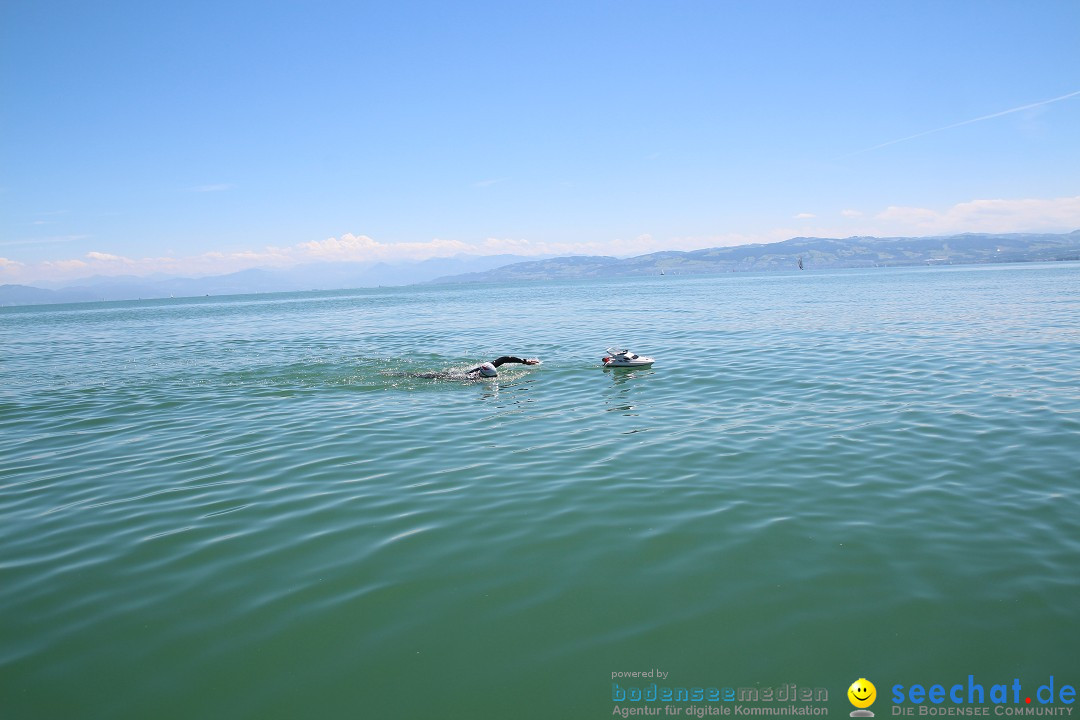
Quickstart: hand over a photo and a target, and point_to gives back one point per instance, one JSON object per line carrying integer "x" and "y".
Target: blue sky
{"x": 201, "y": 138}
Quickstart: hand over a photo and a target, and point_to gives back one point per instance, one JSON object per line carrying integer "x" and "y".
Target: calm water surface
{"x": 248, "y": 507}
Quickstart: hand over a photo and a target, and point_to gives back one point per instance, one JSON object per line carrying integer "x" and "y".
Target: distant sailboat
{"x": 800, "y": 262}
{"x": 661, "y": 271}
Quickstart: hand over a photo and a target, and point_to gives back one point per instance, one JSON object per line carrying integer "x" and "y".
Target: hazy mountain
{"x": 816, "y": 254}
{"x": 26, "y": 295}
{"x": 315, "y": 276}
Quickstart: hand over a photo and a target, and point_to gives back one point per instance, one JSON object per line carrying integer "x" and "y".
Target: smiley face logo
{"x": 862, "y": 693}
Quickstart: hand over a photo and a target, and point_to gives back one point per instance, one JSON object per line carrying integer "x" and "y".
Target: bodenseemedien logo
{"x": 862, "y": 695}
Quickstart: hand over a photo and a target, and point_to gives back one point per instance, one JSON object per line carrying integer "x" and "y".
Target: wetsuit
{"x": 497, "y": 362}
{"x": 471, "y": 374}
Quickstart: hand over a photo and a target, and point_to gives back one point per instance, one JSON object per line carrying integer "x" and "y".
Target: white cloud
{"x": 805, "y": 216}
{"x": 106, "y": 257}
{"x": 992, "y": 216}
{"x": 64, "y": 266}
{"x": 1051, "y": 215}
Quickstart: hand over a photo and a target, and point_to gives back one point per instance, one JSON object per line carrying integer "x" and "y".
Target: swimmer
{"x": 486, "y": 370}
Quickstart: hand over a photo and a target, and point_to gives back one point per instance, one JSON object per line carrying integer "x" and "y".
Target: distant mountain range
{"x": 814, "y": 254}
{"x": 316, "y": 276}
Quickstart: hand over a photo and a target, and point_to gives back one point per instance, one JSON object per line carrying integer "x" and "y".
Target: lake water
{"x": 248, "y": 507}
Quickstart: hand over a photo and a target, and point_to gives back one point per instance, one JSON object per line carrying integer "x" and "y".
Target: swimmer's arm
{"x": 510, "y": 359}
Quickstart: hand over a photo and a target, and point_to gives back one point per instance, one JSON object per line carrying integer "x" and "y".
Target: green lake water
{"x": 251, "y": 507}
